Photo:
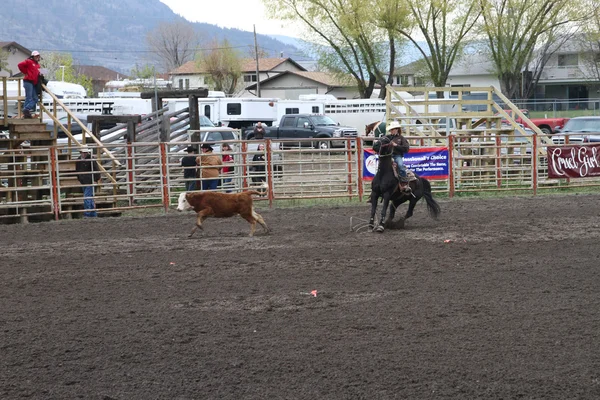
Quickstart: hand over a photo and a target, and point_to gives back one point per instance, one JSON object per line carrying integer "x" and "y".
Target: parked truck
{"x": 303, "y": 127}
{"x": 547, "y": 125}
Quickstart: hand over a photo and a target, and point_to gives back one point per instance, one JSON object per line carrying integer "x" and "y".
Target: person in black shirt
{"x": 88, "y": 172}
{"x": 189, "y": 169}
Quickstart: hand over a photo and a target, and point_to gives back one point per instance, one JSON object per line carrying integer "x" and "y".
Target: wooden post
{"x": 164, "y": 129}
{"x": 164, "y": 176}
{"x": 194, "y": 113}
{"x": 130, "y": 136}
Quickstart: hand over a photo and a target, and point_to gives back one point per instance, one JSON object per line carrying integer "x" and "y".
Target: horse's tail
{"x": 432, "y": 206}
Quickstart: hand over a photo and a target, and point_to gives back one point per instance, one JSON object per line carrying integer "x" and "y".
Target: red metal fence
{"x": 42, "y": 182}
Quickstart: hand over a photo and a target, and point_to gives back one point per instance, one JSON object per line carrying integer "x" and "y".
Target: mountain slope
{"x": 111, "y": 33}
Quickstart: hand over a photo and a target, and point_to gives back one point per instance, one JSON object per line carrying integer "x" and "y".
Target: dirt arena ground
{"x": 499, "y": 299}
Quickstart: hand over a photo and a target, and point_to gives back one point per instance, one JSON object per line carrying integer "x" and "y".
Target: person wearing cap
{"x": 88, "y": 172}
{"x": 400, "y": 148}
{"x": 31, "y": 71}
{"x": 228, "y": 168}
{"x": 210, "y": 165}
{"x": 190, "y": 166}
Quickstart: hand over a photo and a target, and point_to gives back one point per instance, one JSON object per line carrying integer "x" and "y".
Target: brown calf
{"x": 221, "y": 205}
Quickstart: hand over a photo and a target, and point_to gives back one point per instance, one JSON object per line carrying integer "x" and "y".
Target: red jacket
{"x": 30, "y": 69}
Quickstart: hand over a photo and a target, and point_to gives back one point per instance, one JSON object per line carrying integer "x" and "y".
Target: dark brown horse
{"x": 385, "y": 185}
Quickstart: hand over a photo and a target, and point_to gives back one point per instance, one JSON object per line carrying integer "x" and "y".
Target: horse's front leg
{"x": 386, "y": 203}
{"x": 374, "y": 199}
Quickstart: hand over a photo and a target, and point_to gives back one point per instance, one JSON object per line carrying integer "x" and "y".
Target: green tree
{"x": 515, "y": 28}
{"x": 353, "y": 37}
{"x": 59, "y": 67}
{"x": 223, "y": 65}
{"x": 590, "y": 44}
{"x": 444, "y": 25}
{"x": 145, "y": 71}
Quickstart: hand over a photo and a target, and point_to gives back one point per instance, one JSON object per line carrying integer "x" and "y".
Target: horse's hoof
{"x": 379, "y": 229}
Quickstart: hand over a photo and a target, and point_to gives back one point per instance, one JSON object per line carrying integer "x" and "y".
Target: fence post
{"x": 451, "y": 165}
{"x": 499, "y": 161}
{"x": 349, "y": 157}
{"x": 54, "y": 182}
{"x": 269, "y": 172}
{"x": 359, "y": 167}
{"x": 164, "y": 176}
{"x": 244, "y": 166}
{"x": 130, "y": 174}
{"x": 534, "y": 162}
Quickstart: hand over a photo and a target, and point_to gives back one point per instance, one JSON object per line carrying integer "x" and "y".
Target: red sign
{"x": 573, "y": 161}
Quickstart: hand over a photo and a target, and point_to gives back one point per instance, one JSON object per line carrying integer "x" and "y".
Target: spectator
{"x": 258, "y": 165}
{"x": 88, "y": 172}
{"x": 31, "y": 71}
{"x": 259, "y": 131}
{"x": 228, "y": 169}
{"x": 190, "y": 168}
{"x": 211, "y": 165}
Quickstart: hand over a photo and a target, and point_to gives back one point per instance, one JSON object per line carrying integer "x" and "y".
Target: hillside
{"x": 110, "y": 33}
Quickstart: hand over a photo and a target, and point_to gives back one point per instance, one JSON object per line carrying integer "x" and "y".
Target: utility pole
{"x": 63, "y": 72}
{"x": 257, "y": 70}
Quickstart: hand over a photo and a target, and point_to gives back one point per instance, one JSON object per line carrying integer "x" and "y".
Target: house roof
{"x": 247, "y": 65}
{"x": 5, "y": 45}
{"x": 98, "y": 73}
{"x": 324, "y": 78}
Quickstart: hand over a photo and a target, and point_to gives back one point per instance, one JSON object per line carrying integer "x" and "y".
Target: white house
{"x": 191, "y": 76}
{"x": 471, "y": 70}
{"x": 291, "y": 84}
{"x": 572, "y": 72}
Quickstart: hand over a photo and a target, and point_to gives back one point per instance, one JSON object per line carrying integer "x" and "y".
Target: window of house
{"x": 234, "y": 109}
{"x": 187, "y": 84}
{"x": 455, "y": 93}
{"x": 292, "y": 111}
{"x": 568, "y": 60}
{"x": 181, "y": 84}
{"x": 250, "y": 78}
{"x": 315, "y": 110}
{"x": 419, "y": 81}
{"x": 403, "y": 80}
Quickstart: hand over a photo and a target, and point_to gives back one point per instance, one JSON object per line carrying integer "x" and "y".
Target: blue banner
{"x": 428, "y": 162}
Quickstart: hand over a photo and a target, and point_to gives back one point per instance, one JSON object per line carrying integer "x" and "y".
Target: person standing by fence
{"x": 31, "y": 71}
{"x": 211, "y": 165}
{"x": 88, "y": 172}
{"x": 228, "y": 168}
{"x": 259, "y": 131}
{"x": 190, "y": 168}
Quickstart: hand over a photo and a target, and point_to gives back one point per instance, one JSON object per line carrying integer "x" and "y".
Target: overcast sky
{"x": 240, "y": 14}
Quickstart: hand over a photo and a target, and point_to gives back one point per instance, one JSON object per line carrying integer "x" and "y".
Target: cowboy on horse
{"x": 400, "y": 147}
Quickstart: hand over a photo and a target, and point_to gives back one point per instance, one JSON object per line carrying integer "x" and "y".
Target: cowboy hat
{"x": 85, "y": 149}
{"x": 206, "y": 146}
{"x": 393, "y": 125}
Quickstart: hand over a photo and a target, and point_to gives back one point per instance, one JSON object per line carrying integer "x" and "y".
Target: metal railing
{"x": 41, "y": 183}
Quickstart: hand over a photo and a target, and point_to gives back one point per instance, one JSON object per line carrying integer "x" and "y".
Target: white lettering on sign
{"x": 581, "y": 159}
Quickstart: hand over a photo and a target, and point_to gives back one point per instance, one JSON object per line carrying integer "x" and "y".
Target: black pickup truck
{"x": 308, "y": 126}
